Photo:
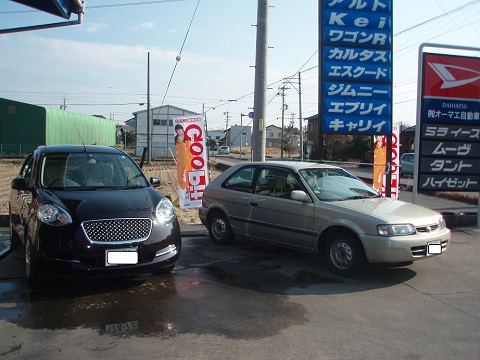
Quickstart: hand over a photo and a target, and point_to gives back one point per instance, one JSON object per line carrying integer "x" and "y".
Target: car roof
{"x": 52, "y": 149}
{"x": 296, "y": 165}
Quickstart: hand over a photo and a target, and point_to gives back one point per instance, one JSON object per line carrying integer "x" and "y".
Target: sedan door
{"x": 236, "y": 201}
{"x": 275, "y": 217}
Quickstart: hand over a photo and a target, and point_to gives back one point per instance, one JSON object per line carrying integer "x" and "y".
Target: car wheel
{"x": 219, "y": 229}
{"x": 33, "y": 274}
{"x": 343, "y": 253}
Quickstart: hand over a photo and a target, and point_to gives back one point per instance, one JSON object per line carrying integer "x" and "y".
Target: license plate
{"x": 434, "y": 248}
{"x": 121, "y": 257}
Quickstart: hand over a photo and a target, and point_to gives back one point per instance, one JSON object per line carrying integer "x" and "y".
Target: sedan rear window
{"x": 241, "y": 180}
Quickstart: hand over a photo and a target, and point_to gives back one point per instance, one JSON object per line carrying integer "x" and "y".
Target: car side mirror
{"x": 154, "y": 181}
{"x": 299, "y": 195}
{"x": 19, "y": 183}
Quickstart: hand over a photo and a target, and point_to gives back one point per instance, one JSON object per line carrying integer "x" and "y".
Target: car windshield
{"x": 334, "y": 184}
{"x": 87, "y": 171}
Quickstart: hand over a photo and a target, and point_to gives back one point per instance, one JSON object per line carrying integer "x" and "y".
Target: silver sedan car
{"x": 321, "y": 209}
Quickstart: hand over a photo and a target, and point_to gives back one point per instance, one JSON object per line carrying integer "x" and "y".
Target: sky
{"x": 100, "y": 66}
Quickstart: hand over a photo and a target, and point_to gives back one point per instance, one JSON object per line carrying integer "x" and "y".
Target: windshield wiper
{"x": 358, "y": 197}
{"x": 136, "y": 186}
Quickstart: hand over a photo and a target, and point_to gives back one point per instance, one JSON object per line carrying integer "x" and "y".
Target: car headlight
{"x": 396, "y": 230}
{"x": 53, "y": 215}
{"x": 442, "y": 224}
{"x": 165, "y": 211}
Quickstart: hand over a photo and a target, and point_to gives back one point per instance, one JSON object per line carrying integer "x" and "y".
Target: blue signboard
{"x": 356, "y": 90}
{"x": 62, "y": 8}
{"x": 368, "y": 56}
{"x": 359, "y": 108}
{"x": 351, "y": 71}
{"x": 356, "y": 67}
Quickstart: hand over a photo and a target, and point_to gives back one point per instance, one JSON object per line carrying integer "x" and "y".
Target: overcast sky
{"x": 100, "y": 66}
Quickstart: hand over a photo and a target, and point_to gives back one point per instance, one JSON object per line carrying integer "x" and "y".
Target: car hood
{"x": 102, "y": 204}
{"x": 392, "y": 211}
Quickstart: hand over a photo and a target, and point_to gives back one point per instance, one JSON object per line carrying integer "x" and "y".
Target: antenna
{"x": 80, "y": 136}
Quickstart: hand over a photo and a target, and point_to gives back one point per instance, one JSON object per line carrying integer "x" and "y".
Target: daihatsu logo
{"x": 462, "y": 75}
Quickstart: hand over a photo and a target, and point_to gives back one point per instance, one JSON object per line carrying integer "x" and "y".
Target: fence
{"x": 17, "y": 149}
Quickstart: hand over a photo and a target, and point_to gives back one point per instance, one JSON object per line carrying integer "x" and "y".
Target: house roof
{"x": 274, "y": 126}
{"x": 164, "y": 107}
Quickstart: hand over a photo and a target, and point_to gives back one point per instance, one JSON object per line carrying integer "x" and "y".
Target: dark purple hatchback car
{"x": 90, "y": 210}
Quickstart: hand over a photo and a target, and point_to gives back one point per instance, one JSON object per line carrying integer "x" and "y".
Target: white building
{"x": 216, "y": 135}
{"x": 237, "y": 135}
{"x": 162, "y": 133}
{"x": 273, "y": 136}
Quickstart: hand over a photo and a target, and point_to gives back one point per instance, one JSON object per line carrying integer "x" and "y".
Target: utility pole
{"x": 284, "y": 107}
{"x": 259, "y": 101}
{"x": 226, "y": 128}
{"x": 300, "y": 115}
{"x": 206, "y": 136}
{"x": 148, "y": 109}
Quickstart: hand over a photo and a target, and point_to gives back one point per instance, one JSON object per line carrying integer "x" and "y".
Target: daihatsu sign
{"x": 449, "y": 146}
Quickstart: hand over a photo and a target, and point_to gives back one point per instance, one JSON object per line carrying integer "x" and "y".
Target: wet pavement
{"x": 207, "y": 277}
{"x": 249, "y": 300}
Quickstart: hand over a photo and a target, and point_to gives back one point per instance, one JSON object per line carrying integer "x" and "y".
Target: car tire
{"x": 219, "y": 229}
{"x": 343, "y": 253}
{"x": 33, "y": 274}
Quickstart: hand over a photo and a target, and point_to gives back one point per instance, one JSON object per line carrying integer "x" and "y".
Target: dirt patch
{"x": 164, "y": 170}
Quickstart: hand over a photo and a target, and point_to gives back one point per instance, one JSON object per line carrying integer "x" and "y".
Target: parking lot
{"x": 248, "y": 300}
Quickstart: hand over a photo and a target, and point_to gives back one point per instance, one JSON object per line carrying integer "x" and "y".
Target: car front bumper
{"x": 68, "y": 252}
{"x": 396, "y": 249}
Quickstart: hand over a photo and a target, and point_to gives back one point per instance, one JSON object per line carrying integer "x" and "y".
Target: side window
{"x": 241, "y": 180}
{"x": 132, "y": 174}
{"x": 26, "y": 169}
{"x": 276, "y": 182}
{"x": 53, "y": 170}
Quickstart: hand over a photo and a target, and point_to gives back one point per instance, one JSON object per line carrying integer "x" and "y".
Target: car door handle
{"x": 253, "y": 204}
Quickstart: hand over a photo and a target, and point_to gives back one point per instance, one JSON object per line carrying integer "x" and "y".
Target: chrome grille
{"x": 419, "y": 251}
{"x": 117, "y": 230}
{"x": 427, "y": 229}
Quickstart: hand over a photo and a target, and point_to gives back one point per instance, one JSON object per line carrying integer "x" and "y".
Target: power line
{"x": 179, "y": 56}
{"x": 438, "y": 17}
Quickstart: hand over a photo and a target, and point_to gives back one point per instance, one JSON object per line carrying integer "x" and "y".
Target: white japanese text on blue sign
{"x": 356, "y": 66}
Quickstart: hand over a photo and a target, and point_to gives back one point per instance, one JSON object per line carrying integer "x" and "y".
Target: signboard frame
{"x": 439, "y": 153}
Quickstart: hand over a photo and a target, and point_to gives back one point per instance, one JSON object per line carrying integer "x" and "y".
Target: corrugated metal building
{"x": 162, "y": 133}
{"x": 25, "y": 126}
